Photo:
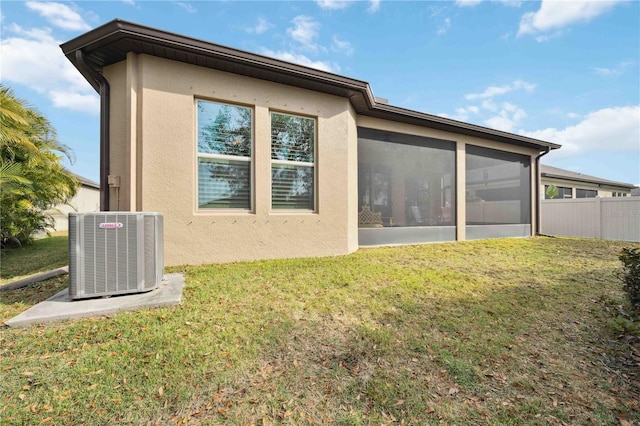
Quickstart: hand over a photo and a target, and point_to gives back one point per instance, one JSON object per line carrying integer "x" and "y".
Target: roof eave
{"x": 130, "y": 36}
{"x": 593, "y": 181}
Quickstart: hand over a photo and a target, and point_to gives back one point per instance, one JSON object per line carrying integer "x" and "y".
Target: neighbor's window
{"x": 224, "y": 156}
{"x": 586, "y": 193}
{"x": 563, "y": 192}
{"x": 292, "y": 162}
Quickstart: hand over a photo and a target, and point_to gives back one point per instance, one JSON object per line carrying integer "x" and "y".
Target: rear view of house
{"x": 249, "y": 157}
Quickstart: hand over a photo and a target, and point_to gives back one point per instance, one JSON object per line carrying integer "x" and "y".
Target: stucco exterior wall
{"x": 153, "y": 136}
{"x": 87, "y": 199}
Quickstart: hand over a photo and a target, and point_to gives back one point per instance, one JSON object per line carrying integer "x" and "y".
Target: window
{"x": 563, "y": 192}
{"x": 586, "y": 193}
{"x": 292, "y": 162}
{"x": 224, "y": 156}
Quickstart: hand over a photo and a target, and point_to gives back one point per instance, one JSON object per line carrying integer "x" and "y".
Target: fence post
{"x": 599, "y": 218}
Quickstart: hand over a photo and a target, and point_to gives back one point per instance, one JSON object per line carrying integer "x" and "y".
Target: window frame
{"x": 249, "y": 159}
{"x": 313, "y": 165}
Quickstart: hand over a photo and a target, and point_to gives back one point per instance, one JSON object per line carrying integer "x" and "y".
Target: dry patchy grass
{"x": 486, "y": 332}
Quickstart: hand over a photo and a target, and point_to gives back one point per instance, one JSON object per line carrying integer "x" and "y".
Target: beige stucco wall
{"x": 153, "y": 139}
{"x": 153, "y": 152}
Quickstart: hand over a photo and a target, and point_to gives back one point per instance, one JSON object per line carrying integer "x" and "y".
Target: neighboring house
{"x": 576, "y": 185}
{"x": 250, "y": 157}
{"x": 87, "y": 199}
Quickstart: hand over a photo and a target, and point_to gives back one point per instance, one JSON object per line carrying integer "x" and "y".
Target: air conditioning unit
{"x": 114, "y": 253}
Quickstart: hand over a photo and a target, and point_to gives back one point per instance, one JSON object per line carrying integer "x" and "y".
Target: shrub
{"x": 630, "y": 275}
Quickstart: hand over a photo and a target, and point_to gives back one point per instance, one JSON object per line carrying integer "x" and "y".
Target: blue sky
{"x": 563, "y": 71}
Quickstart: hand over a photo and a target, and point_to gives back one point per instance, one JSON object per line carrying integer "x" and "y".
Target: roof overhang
{"x": 110, "y": 43}
{"x": 589, "y": 180}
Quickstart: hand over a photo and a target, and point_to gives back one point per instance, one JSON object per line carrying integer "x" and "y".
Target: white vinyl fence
{"x": 604, "y": 218}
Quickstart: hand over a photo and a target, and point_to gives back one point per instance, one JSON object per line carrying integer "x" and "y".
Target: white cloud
{"x": 74, "y": 100}
{"x": 488, "y": 104}
{"x": 374, "y": 6}
{"x": 462, "y": 114}
{"x": 508, "y": 117}
{"x": 492, "y": 91}
{"x": 260, "y": 28}
{"x": 302, "y": 60}
{"x": 33, "y": 58}
{"x": 186, "y": 6}
{"x": 615, "y": 128}
{"x": 511, "y": 3}
{"x": 468, "y": 3}
{"x": 555, "y": 15}
{"x": 341, "y": 46}
{"x": 446, "y": 25}
{"x": 617, "y": 70}
{"x": 305, "y": 30}
{"x": 60, "y": 15}
{"x": 333, "y": 4}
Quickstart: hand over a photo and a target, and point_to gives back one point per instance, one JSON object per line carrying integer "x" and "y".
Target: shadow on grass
{"x": 548, "y": 360}
{"x": 368, "y": 339}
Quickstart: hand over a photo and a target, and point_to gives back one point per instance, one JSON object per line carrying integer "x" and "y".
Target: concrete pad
{"x": 60, "y": 306}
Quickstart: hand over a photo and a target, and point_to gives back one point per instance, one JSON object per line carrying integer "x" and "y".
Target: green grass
{"x": 510, "y": 332}
{"x": 41, "y": 255}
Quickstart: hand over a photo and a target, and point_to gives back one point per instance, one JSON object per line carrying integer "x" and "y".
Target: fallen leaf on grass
{"x": 431, "y": 410}
{"x": 400, "y": 402}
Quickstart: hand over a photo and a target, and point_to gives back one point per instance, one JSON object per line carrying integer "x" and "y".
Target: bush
{"x": 630, "y": 275}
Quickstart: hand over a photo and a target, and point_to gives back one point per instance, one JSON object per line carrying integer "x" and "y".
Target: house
{"x": 576, "y": 185}
{"x": 249, "y": 157}
{"x": 87, "y": 199}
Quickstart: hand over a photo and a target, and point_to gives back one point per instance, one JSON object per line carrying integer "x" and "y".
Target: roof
{"x": 111, "y": 42}
{"x": 554, "y": 172}
{"x": 86, "y": 182}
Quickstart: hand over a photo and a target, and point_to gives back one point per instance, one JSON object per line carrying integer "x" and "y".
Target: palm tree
{"x": 32, "y": 178}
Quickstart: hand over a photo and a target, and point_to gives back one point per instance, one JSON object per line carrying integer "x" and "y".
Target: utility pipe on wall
{"x": 538, "y": 200}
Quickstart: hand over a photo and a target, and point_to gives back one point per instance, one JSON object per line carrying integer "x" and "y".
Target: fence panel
{"x": 605, "y": 218}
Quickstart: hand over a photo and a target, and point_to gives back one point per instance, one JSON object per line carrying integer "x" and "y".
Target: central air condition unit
{"x": 114, "y": 253}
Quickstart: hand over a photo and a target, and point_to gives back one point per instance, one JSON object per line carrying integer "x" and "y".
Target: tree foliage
{"x": 630, "y": 275}
{"x": 32, "y": 177}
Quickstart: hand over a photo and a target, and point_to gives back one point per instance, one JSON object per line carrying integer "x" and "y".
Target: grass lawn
{"x": 514, "y": 331}
{"x": 41, "y": 255}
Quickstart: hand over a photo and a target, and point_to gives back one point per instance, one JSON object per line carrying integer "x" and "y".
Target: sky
{"x": 566, "y": 72}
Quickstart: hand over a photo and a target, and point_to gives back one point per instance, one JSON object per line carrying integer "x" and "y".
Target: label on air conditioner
{"x": 110, "y": 225}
